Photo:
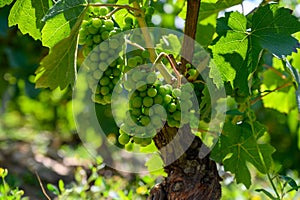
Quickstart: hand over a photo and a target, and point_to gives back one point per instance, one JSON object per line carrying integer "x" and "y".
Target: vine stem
{"x": 142, "y": 23}
{"x": 260, "y": 154}
{"x": 276, "y": 89}
{"x": 117, "y": 6}
{"x": 172, "y": 62}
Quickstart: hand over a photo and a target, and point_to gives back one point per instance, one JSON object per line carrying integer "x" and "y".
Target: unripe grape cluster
{"x": 152, "y": 103}
{"x": 100, "y": 50}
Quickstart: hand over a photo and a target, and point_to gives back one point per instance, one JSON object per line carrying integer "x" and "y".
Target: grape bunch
{"x": 102, "y": 50}
{"x": 150, "y": 107}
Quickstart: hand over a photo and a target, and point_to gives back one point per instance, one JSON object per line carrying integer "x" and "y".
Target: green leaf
{"x": 58, "y": 69}
{"x": 238, "y": 146}
{"x": 209, "y": 8}
{"x": 272, "y": 28}
{"x": 5, "y": 2}
{"x": 282, "y": 100}
{"x": 205, "y": 30}
{"x": 169, "y": 44}
{"x": 65, "y": 6}
{"x": 266, "y": 193}
{"x": 27, "y": 14}
{"x": 290, "y": 181}
{"x": 60, "y": 20}
{"x": 230, "y": 52}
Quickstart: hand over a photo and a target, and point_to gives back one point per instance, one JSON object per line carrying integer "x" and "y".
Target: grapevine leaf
{"x": 5, "y": 2}
{"x": 64, "y": 6}
{"x": 272, "y": 28}
{"x": 206, "y": 30}
{"x": 169, "y": 44}
{"x": 28, "y": 14}
{"x": 290, "y": 181}
{"x": 58, "y": 69}
{"x": 207, "y": 8}
{"x": 283, "y": 97}
{"x": 238, "y": 146}
{"x": 230, "y": 52}
{"x": 60, "y": 20}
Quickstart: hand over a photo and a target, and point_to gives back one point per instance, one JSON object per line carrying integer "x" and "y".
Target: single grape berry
{"x": 123, "y": 139}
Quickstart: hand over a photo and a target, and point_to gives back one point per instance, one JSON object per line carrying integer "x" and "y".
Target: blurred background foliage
{"x": 43, "y": 119}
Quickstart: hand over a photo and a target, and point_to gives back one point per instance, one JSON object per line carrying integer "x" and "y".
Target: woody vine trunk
{"x": 190, "y": 177}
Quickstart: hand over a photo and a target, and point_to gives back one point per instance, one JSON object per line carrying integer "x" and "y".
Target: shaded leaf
{"x": 60, "y": 20}
{"x": 273, "y": 26}
{"x": 290, "y": 181}
{"x": 64, "y": 6}
{"x": 58, "y": 69}
{"x": 27, "y": 14}
{"x": 237, "y": 146}
{"x": 5, "y": 2}
{"x": 209, "y": 8}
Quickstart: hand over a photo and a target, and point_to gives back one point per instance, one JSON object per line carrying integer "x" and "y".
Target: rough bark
{"x": 190, "y": 177}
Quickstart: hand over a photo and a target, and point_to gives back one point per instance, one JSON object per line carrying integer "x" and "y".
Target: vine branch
{"x": 143, "y": 25}
{"x": 187, "y": 51}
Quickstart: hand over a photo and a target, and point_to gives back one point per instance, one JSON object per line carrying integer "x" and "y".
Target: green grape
{"x": 176, "y": 93}
{"x": 104, "y": 46}
{"x": 114, "y": 43}
{"x": 105, "y": 35}
{"x": 147, "y": 101}
{"x": 177, "y": 115}
{"x": 136, "y": 111}
{"x": 151, "y": 92}
{"x": 116, "y": 72}
{"x": 151, "y": 78}
{"x": 158, "y": 99}
{"x": 102, "y": 66}
{"x": 108, "y": 72}
{"x": 146, "y": 54}
{"x": 103, "y": 11}
{"x": 97, "y": 39}
{"x": 172, "y": 107}
{"x": 104, "y": 80}
{"x": 146, "y": 111}
{"x": 96, "y": 22}
{"x": 103, "y": 56}
{"x": 143, "y": 94}
{"x": 92, "y": 30}
{"x": 109, "y": 24}
{"x": 137, "y": 140}
{"x": 107, "y": 98}
{"x": 129, "y": 146}
{"x": 145, "y": 120}
{"x": 97, "y": 75}
{"x": 104, "y": 90}
{"x": 141, "y": 86}
{"x": 128, "y": 20}
{"x": 145, "y": 142}
{"x": 136, "y": 76}
{"x": 137, "y": 102}
{"x": 139, "y": 60}
{"x": 167, "y": 99}
{"x": 123, "y": 139}
{"x": 132, "y": 62}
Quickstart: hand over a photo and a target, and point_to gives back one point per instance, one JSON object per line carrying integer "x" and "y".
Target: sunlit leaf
{"x": 28, "y": 14}
{"x": 58, "y": 69}
{"x": 60, "y": 20}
